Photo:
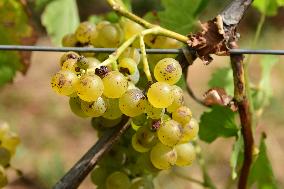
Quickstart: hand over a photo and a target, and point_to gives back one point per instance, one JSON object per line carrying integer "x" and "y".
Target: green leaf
{"x": 219, "y": 122}
{"x": 223, "y": 78}
{"x": 15, "y": 29}
{"x": 261, "y": 172}
{"x": 237, "y": 155}
{"x": 180, "y": 16}
{"x": 268, "y": 7}
{"x": 60, "y": 17}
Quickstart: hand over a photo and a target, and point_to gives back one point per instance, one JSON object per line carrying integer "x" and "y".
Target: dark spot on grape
{"x": 102, "y": 71}
{"x": 170, "y": 68}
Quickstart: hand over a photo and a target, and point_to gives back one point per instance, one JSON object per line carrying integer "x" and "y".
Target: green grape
{"x": 162, "y": 156}
{"x": 10, "y": 141}
{"x": 137, "y": 145}
{"x": 99, "y": 175}
{"x": 75, "y": 106}
{"x": 117, "y": 180}
{"x": 190, "y": 131}
{"x": 112, "y": 109}
{"x": 134, "y": 78}
{"x": 4, "y": 128}
{"x": 131, "y": 52}
{"x": 63, "y": 82}
{"x": 84, "y": 31}
{"x": 170, "y": 133}
{"x": 5, "y": 156}
{"x": 3, "y": 177}
{"x": 165, "y": 118}
{"x": 132, "y": 103}
{"x": 146, "y": 137}
{"x": 110, "y": 122}
{"x": 109, "y": 35}
{"x": 139, "y": 120}
{"x": 127, "y": 66}
{"x": 68, "y": 55}
{"x": 142, "y": 183}
{"x": 95, "y": 108}
{"x": 87, "y": 62}
{"x": 178, "y": 99}
{"x": 69, "y": 40}
{"x": 185, "y": 154}
{"x": 168, "y": 70}
{"x": 182, "y": 115}
{"x": 115, "y": 84}
{"x": 70, "y": 65}
{"x": 90, "y": 87}
{"x": 154, "y": 113}
{"x": 94, "y": 35}
{"x": 160, "y": 95}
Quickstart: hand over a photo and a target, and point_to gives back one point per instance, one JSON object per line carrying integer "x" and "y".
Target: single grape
{"x": 92, "y": 62}
{"x": 162, "y": 156}
{"x": 68, "y": 55}
{"x": 178, "y": 99}
{"x": 109, "y": 35}
{"x": 63, "y": 82}
{"x": 115, "y": 84}
{"x": 170, "y": 133}
{"x": 185, "y": 154}
{"x": 168, "y": 70}
{"x": 145, "y": 162}
{"x": 127, "y": 66}
{"x": 110, "y": 122}
{"x": 84, "y": 31}
{"x": 95, "y": 108}
{"x": 95, "y": 34}
{"x": 117, "y": 180}
{"x": 75, "y": 106}
{"x": 182, "y": 115}
{"x": 154, "y": 113}
{"x": 130, "y": 28}
{"x": 69, "y": 40}
{"x": 3, "y": 177}
{"x": 132, "y": 103}
{"x": 142, "y": 183}
{"x": 5, "y": 156}
{"x": 137, "y": 145}
{"x": 140, "y": 120}
{"x": 131, "y": 52}
{"x": 146, "y": 137}
{"x": 112, "y": 109}
{"x": 189, "y": 131}
{"x": 160, "y": 95}
{"x": 90, "y": 87}
{"x": 70, "y": 65}
{"x": 87, "y": 62}
{"x": 99, "y": 175}
{"x": 10, "y": 141}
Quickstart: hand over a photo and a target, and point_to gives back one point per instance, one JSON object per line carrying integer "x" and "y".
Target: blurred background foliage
{"x": 53, "y": 139}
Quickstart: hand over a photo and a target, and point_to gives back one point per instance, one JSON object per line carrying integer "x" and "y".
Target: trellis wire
{"x": 110, "y": 50}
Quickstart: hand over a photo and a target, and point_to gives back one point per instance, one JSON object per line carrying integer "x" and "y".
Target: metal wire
{"x": 110, "y": 50}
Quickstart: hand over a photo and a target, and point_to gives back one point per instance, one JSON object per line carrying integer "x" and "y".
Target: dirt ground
{"x": 53, "y": 139}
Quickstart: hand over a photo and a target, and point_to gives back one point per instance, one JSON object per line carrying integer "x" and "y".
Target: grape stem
{"x": 144, "y": 59}
{"x": 161, "y": 31}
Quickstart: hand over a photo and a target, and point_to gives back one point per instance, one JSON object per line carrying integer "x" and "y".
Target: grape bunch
{"x": 162, "y": 125}
{"x": 8, "y": 144}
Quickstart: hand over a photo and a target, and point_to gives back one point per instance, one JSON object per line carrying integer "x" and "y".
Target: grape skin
{"x": 99, "y": 176}
{"x": 3, "y": 177}
{"x": 90, "y": 87}
{"x": 63, "y": 82}
{"x": 117, "y": 180}
{"x": 68, "y": 55}
{"x": 70, "y": 65}
{"x": 84, "y": 31}
{"x": 170, "y": 133}
{"x": 115, "y": 84}
{"x": 109, "y": 35}
{"x": 163, "y": 157}
{"x": 178, "y": 99}
{"x": 131, "y": 52}
{"x": 182, "y": 115}
{"x": 112, "y": 109}
{"x": 190, "y": 131}
{"x": 168, "y": 70}
{"x": 5, "y": 156}
{"x": 127, "y": 64}
{"x": 146, "y": 137}
{"x": 69, "y": 40}
{"x": 137, "y": 145}
{"x": 94, "y": 109}
{"x": 160, "y": 95}
{"x": 154, "y": 113}
{"x": 185, "y": 154}
{"x": 75, "y": 106}
{"x": 10, "y": 141}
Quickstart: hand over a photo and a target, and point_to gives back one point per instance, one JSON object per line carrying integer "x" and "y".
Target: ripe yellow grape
{"x": 64, "y": 82}
{"x": 84, "y": 31}
{"x": 182, "y": 115}
{"x": 189, "y": 131}
{"x": 109, "y": 35}
{"x": 131, "y": 52}
{"x": 90, "y": 87}
{"x": 154, "y": 113}
{"x": 68, "y": 55}
{"x": 127, "y": 65}
{"x": 69, "y": 40}
{"x": 160, "y": 95}
{"x": 75, "y": 106}
{"x": 136, "y": 144}
{"x": 10, "y": 141}
{"x": 112, "y": 109}
{"x": 178, "y": 99}
{"x": 170, "y": 133}
{"x": 94, "y": 109}
{"x": 168, "y": 70}
{"x": 115, "y": 84}
{"x": 70, "y": 65}
{"x": 185, "y": 154}
{"x": 132, "y": 103}
{"x": 162, "y": 156}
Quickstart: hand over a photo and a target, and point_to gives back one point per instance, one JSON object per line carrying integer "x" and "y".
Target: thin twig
{"x": 144, "y": 59}
{"x": 73, "y": 178}
{"x": 186, "y": 177}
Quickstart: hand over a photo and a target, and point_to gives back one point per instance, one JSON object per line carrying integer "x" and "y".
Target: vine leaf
{"x": 268, "y": 7}
{"x": 60, "y": 17}
{"x": 219, "y": 122}
{"x": 15, "y": 29}
{"x": 261, "y": 172}
{"x": 237, "y": 155}
{"x": 180, "y": 16}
